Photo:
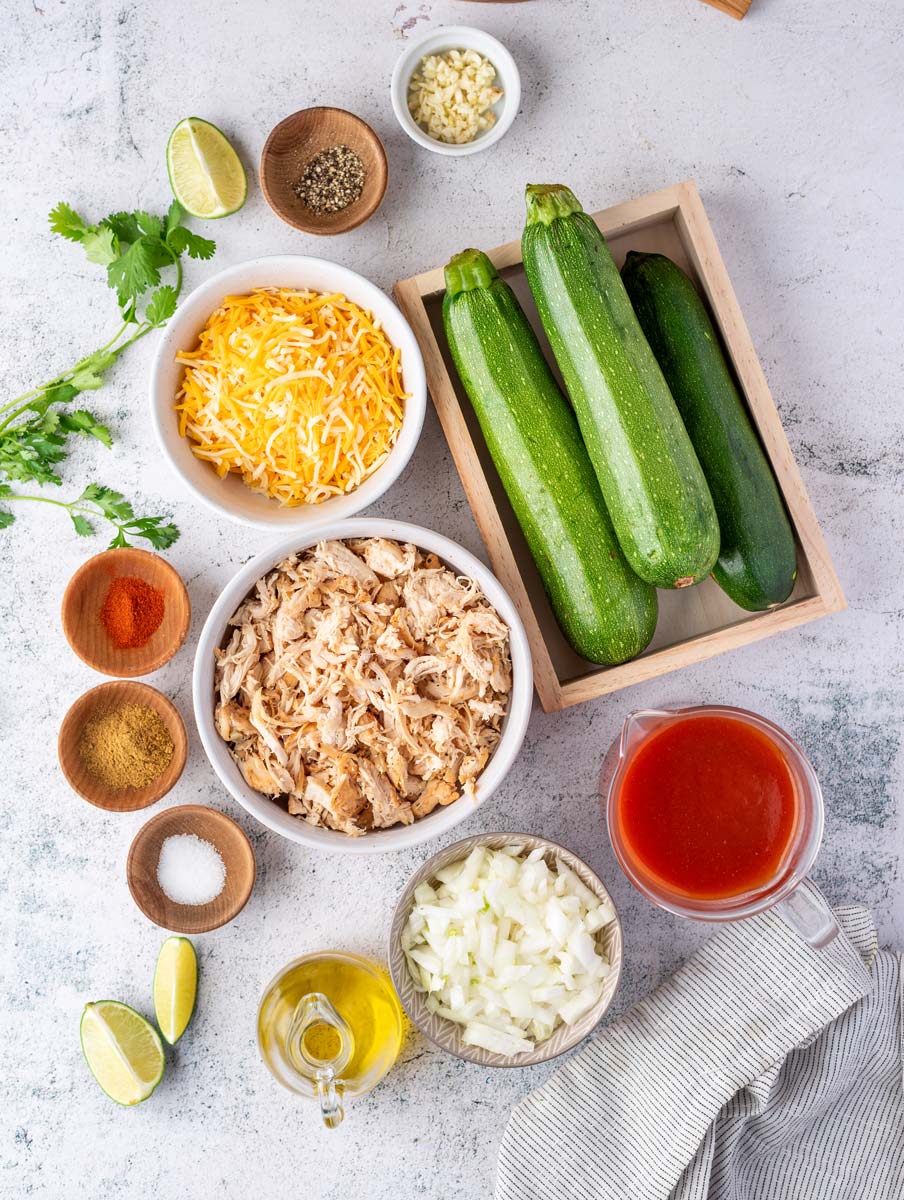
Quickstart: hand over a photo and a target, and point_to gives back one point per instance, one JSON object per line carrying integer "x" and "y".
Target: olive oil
{"x": 330, "y": 1026}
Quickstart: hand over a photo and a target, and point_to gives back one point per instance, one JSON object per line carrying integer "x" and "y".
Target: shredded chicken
{"x": 364, "y": 683}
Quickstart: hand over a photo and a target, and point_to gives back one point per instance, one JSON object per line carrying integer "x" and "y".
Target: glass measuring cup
{"x": 814, "y": 922}
{"x": 329, "y": 1027}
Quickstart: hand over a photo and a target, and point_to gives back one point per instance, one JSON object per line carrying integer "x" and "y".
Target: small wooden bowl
{"x": 211, "y": 826}
{"x": 100, "y": 700}
{"x": 292, "y": 145}
{"x": 84, "y": 598}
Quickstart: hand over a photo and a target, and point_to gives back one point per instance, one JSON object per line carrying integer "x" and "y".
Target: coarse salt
{"x": 190, "y": 870}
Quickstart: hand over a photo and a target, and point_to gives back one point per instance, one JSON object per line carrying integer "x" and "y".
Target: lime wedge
{"x": 122, "y": 1049}
{"x": 205, "y": 172}
{"x": 175, "y": 987}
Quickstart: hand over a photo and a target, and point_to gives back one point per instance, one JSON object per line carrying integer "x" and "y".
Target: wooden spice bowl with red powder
{"x": 126, "y": 612}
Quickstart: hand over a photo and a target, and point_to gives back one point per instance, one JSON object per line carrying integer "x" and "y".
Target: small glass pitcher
{"x": 329, "y": 1028}
{"x": 814, "y": 922}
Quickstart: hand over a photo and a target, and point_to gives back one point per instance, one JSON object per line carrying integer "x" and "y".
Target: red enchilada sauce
{"x": 708, "y": 807}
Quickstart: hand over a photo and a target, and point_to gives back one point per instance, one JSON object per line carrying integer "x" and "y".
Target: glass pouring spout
{"x": 637, "y": 726}
{"x": 320, "y": 1045}
{"x": 641, "y": 723}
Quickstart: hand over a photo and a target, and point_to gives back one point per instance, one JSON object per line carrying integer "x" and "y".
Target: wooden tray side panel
{"x": 685, "y": 654}
{"x": 704, "y": 623}
{"x": 734, "y": 8}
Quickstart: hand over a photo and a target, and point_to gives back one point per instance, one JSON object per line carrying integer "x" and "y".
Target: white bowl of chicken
{"x": 363, "y": 687}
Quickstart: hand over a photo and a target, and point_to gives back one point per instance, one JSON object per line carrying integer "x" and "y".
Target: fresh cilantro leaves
{"x": 161, "y": 305}
{"x": 6, "y": 518}
{"x": 183, "y": 240}
{"x": 117, "y": 509}
{"x": 133, "y": 247}
{"x": 97, "y": 501}
{"x": 132, "y": 272}
{"x": 30, "y": 451}
{"x": 65, "y": 221}
{"x": 100, "y": 246}
{"x": 84, "y": 422}
{"x": 83, "y": 526}
{"x": 175, "y": 215}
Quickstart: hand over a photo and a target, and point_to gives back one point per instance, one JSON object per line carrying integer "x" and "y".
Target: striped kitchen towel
{"x": 762, "y": 1070}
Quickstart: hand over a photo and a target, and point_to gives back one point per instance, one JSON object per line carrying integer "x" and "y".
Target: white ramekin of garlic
{"x": 456, "y": 90}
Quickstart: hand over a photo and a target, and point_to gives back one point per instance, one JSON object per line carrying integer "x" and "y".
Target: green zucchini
{"x": 757, "y": 562}
{"x": 652, "y": 483}
{"x": 605, "y": 611}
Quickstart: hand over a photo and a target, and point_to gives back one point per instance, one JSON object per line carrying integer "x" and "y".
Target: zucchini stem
{"x": 546, "y": 201}
{"x": 469, "y": 270}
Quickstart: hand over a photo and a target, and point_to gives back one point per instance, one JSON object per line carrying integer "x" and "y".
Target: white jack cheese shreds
{"x": 451, "y": 95}
{"x": 298, "y": 392}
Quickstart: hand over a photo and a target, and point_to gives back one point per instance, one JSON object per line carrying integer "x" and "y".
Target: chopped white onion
{"x": 507, "y": 947}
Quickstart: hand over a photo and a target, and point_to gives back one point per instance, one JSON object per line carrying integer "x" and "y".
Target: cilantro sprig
{"x": 97, "y": 501}
{"x": 134, "y": 248}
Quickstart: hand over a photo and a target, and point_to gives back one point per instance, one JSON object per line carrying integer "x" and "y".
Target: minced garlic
{"x": 451, "y": 95}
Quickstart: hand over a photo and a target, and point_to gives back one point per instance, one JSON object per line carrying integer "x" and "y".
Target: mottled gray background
{"x": 791, "y": 124}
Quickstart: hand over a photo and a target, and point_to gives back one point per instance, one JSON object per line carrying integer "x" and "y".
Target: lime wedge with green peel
{"x": 205, "y": 172}
{"x": 123, "y": 1050}
{"x": 175, "y": 987}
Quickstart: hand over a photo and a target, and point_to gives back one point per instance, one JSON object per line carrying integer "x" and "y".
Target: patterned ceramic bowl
{"x": 446, "y": 1034}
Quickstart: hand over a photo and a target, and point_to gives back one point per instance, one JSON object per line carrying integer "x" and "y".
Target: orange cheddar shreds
{"x": 298, "y": 392}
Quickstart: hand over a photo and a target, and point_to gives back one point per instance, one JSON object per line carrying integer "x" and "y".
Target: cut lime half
{"x": 205, "y": 173}
{"x": 175, "y": 987}
{"x": 123, "y": 1050}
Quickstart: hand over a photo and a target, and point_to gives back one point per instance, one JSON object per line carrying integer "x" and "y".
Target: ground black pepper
{"x": 331, "y": 181}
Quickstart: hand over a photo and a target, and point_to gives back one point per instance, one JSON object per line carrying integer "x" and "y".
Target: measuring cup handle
{"x": 810, "y": 916}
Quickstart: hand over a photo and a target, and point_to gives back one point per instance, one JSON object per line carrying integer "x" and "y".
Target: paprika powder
{"x": 131, "y": 612}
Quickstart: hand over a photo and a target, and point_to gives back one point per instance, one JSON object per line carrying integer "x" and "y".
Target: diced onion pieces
{"x": 299, "y": 392}
{"x": 506, "y": 946}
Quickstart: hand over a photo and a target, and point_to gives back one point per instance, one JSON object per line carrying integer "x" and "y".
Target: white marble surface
{"x": 791, "y": 124}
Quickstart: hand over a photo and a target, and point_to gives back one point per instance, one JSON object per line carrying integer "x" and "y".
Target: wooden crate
{"x": 734, "y": 8}
{"x": 695, "y": 623}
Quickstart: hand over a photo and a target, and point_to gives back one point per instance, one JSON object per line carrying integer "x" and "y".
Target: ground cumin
{"x": 126, "y": 747}
{"x": 132, "y": 611}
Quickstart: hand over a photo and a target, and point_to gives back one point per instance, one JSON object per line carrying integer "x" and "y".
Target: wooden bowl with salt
{"x": 122, "y": 597}
{"x": 216, "y": 832}
{"x": 291, "y": 147}
{"x": 101, "y": 702}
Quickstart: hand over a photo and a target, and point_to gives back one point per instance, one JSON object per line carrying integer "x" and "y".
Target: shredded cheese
{"x": 298, "y": 392}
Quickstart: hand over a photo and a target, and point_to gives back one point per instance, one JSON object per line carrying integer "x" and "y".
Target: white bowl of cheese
{"x": 229, "y": 494}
